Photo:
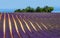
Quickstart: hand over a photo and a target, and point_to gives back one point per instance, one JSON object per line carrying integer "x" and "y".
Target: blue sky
{"x": 15, "y": 4}
{"x": 21, "y": 4}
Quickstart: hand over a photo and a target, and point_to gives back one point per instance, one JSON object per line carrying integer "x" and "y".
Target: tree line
{"x": 38, "y": 9}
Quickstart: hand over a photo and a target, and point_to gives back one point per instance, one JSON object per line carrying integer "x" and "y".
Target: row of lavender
{"x": 49, "y": 24}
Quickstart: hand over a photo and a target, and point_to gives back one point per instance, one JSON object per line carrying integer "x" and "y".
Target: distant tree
{"x": 23, "y": 10}
{"x": 18, "y": 10}
{"x": 48, "y": 9}
{"x": 45, "y": 9}
{"x": 38, "y": 9}
{"x": 29, "y": 9}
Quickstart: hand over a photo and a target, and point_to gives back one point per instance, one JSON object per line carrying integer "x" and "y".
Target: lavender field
{"x": 30, "y": 25}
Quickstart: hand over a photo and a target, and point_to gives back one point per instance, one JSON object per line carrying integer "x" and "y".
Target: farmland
{"x": 30, "y": 25}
